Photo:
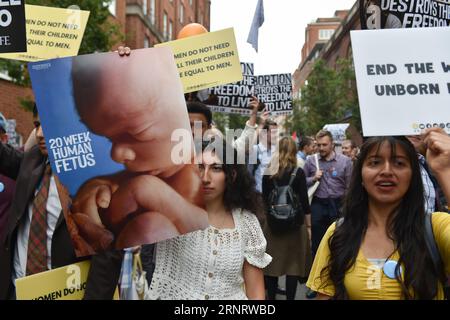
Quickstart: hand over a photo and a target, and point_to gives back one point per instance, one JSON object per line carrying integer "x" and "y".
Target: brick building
{"x": 317, "y": 34}
{"x": 148, "y": 22}
{"x": 144, "y": 23}
{"x": 338, "y": 46}
{"x": 10, "y": 106}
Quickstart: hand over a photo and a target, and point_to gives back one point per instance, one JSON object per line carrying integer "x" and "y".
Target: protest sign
{"x": 338, "y": 131}
{"x": 12, "y": 26}
{"x": 14, "y": 139}
{"x": 387, "y": 14}
{"x": 275, "y": 91}
{"x": 207, "y": 60}
{"x": 104, "y": 117}
{"x": 65, "y": 283}
{"x": 51, "y": 33}
{"x": 402, "y": 90}
{"x": 234, "y": 97}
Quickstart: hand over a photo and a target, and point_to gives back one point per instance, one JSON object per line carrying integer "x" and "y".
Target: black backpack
{"x": 284, "y": 212}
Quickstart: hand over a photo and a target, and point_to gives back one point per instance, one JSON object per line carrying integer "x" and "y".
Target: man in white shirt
{"x": 264, "y": 150}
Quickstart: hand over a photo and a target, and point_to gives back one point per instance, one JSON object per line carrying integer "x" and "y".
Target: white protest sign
{"x": 403, "y": 79}
{"x": 234, "y": 97}
{"x": 338, "y": 131}
{"x": 275, "y": 91}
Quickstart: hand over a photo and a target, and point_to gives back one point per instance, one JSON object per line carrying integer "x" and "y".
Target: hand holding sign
{"x": 438, "y": 149}
{"x": 438, "y": 157}
{"x": 123, "y": 51}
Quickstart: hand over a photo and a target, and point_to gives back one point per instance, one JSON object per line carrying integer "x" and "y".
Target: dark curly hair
{"x": 406, "y": 227}
{"x": 240, "y": 191}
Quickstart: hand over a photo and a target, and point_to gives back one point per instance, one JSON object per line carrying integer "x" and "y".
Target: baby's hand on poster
{"x": 187, "y": 182}
{"x": 90, "y": 199}
{"x": 92, "y": 196}
{"x": 123, "y": 51}
{"x": 91, "y": 237}
{"x": 152, "y": 211}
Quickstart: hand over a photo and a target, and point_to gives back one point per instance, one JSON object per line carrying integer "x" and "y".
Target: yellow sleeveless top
{"x": 366, "y": 281}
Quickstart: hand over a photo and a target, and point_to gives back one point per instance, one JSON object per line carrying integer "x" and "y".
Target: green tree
{"x": 100, "y": 35}
{"x": 329, "y": 97}
{"x": 221, "y": 120}
{"x": 347, "y": 95}
{"x": 225, "y": 121}
{"x": 236, "y": 121}
{"x": 298, "y": 121}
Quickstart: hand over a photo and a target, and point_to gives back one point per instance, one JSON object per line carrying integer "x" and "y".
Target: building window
{"x": 181, "y": 13}
{"x": 165, "y": 25}
{"x": 144, "y": 7}
{"x": 325, "y": 34}
{"x": 153, "y": 12}
{"x": 146, "y": 43}
{"x": 170, "y": 30}
{"x": 112, "y": 7}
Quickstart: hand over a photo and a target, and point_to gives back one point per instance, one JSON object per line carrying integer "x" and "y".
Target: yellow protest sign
{"x": 51, "y": 33}
{"x": 65, "y": 283}
{"x": 207, "y": 60}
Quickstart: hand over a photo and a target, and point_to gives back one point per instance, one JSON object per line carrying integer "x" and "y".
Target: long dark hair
{"x": 406, "y": 227}
{"x": 240, "y": 191}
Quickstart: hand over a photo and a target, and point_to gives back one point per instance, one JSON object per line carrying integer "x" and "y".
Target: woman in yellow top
{"x": 378, "y": 251}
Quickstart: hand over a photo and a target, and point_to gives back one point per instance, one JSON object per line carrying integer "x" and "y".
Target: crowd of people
{"x": 370, "y": 222}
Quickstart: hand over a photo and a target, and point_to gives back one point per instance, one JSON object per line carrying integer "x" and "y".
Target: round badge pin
{"x": 2, "y": 187}
{"x": 389, "y": 269}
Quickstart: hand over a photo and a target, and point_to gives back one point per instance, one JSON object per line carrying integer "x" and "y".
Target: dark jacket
{"x": 7, "y": 187}
{"x": 27, "y": 169}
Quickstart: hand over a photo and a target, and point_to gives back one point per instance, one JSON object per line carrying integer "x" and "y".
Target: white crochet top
{"x": 208, "y": 264}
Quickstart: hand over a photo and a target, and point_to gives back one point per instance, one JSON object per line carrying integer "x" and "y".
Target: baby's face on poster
{"x": 139, "y": 105}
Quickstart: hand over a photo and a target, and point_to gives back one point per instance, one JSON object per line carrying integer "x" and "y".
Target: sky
{"x": 282, "y": 35}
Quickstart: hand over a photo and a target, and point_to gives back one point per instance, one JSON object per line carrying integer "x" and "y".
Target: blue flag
{"x": 258, "y": 20}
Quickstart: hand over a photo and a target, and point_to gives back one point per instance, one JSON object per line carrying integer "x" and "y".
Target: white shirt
{"x": 247, "y": 137}
{"x": 208, "y": 264}
{"x": 264, "y": 155}
{"x": 53, "y": 211}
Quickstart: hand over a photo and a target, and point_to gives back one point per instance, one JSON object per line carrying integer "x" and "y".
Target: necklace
{"x": 219, "y": 226}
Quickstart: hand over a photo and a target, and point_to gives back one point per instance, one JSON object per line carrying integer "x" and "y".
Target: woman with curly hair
{"x": 380, "y": 249}
{"x": 225, "y": 260}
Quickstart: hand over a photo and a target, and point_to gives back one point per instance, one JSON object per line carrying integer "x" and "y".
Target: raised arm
{"x": 438, "y": 157}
